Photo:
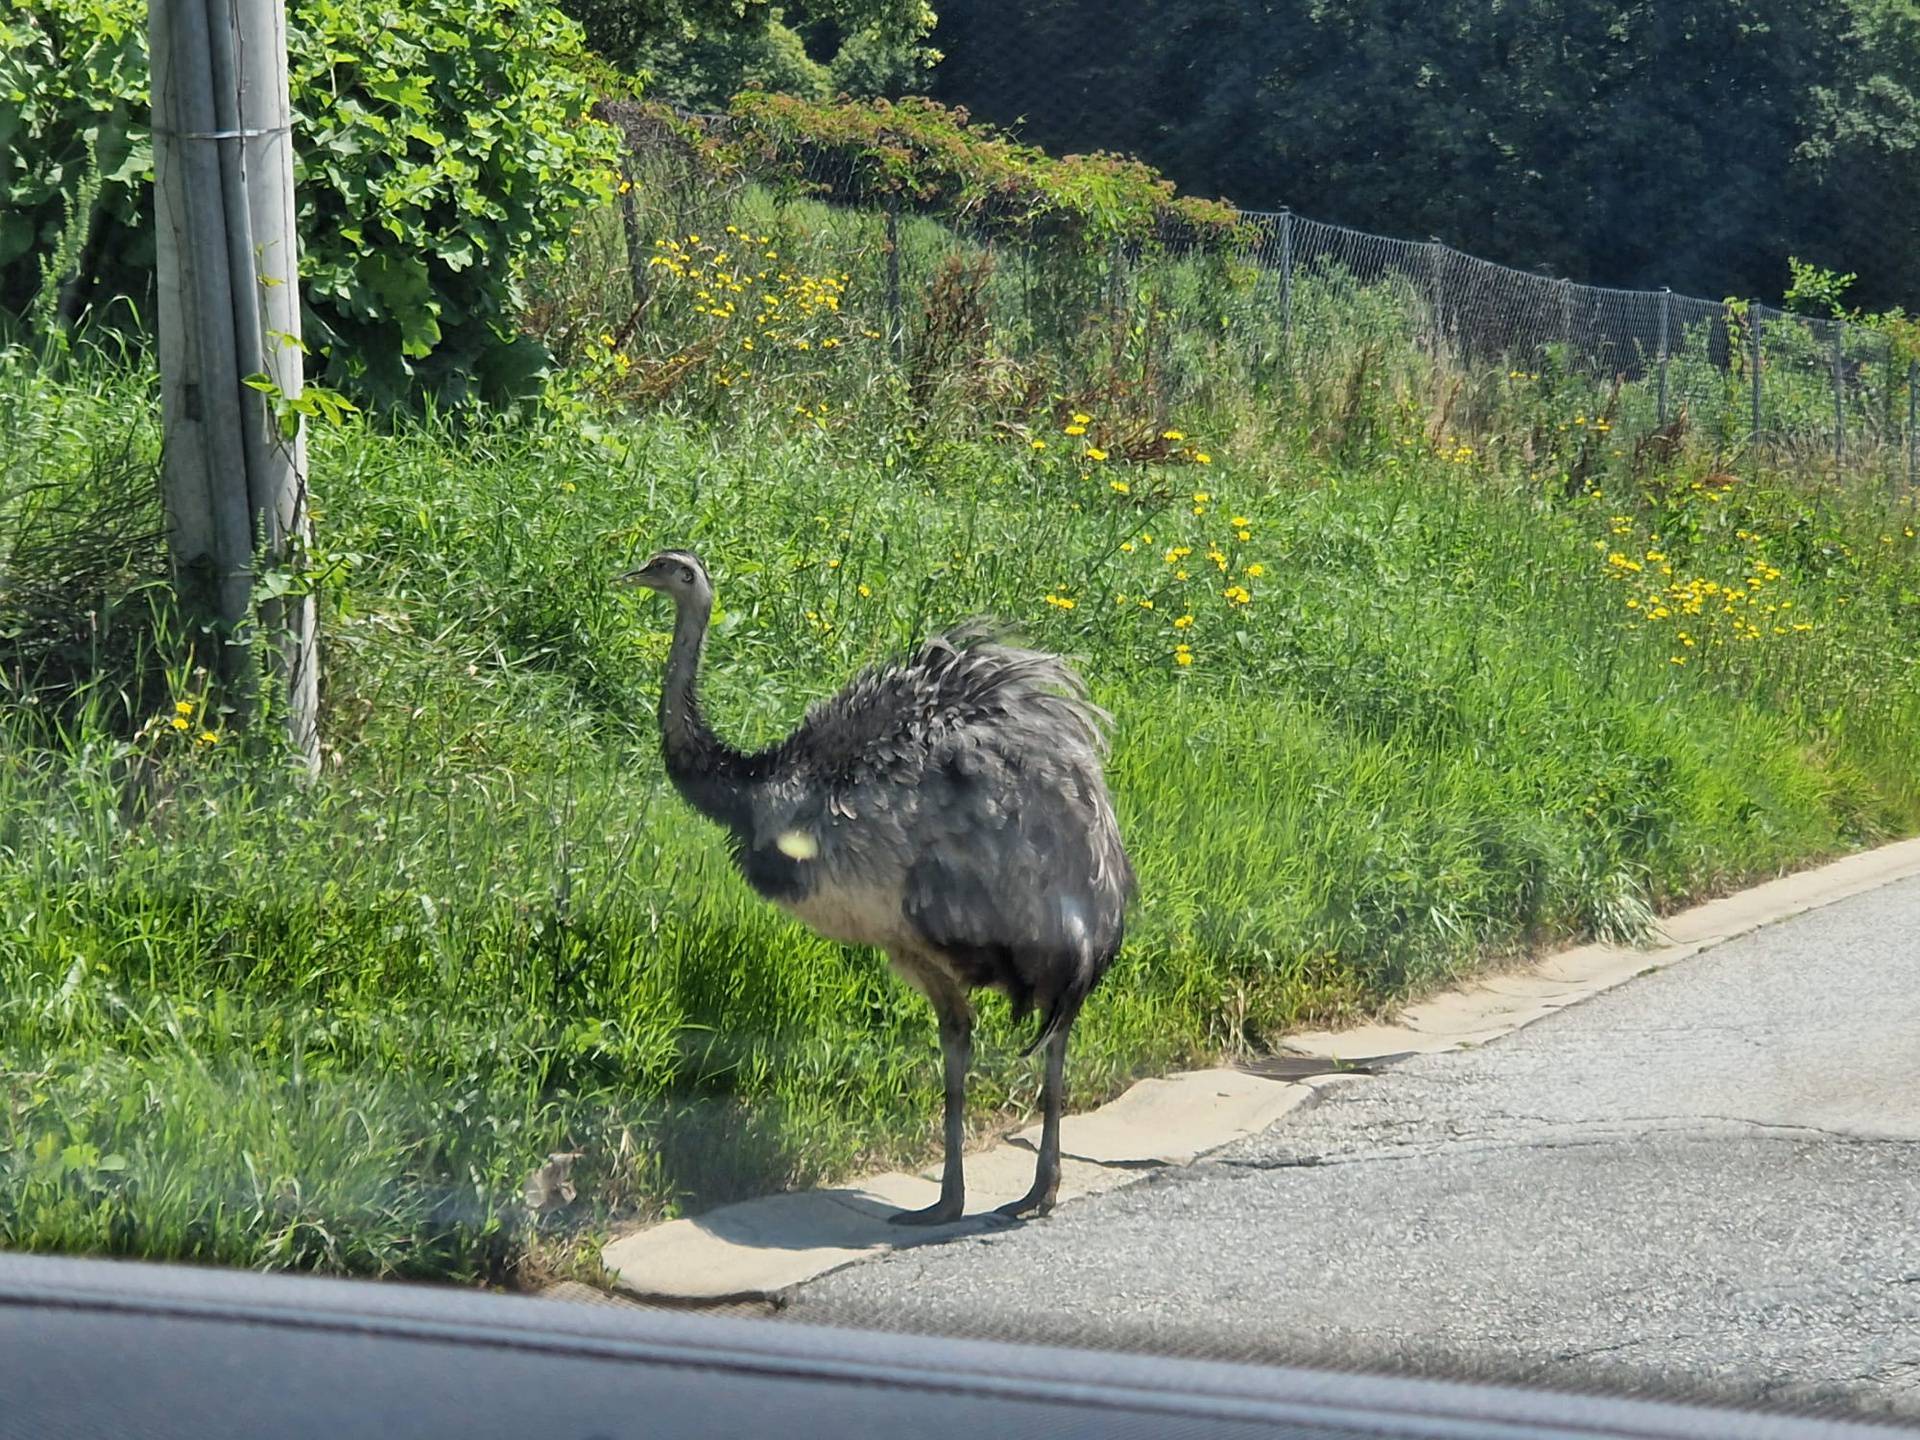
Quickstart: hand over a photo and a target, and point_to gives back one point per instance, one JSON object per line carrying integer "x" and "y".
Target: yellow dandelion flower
{"x": 1095, "y": 453}
{"x": 1171, "y": 435}
{"x": 1256, "y": 571}
{"x": 180, "y": 722}
{"x": 1076, "y": 429}
{"x": 1183, "y": 622}
{"x": 1203, "y": 457}
{"x": 1120, "y": 487}
{"x": 1179, "y": 574}
{"x": 1039, "y": 444}
{"x": 1080, "y": 419}
{"x": 207, "y": 737}
{"x": 183, "y": 707}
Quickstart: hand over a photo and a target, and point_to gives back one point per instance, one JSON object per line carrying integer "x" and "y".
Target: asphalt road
{"x": 1704, "y": 1183}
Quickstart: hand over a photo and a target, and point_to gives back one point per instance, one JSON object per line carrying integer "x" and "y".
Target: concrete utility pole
{"x": 229, "y": 309}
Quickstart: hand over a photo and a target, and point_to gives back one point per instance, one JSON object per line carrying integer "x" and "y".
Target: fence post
{"x": 1666, "y": 305}
{"x": 896, "y": 326}
{"x": 1913, "y": 438}
{"x": 1434, "y": 247}
{"x": 630, "y": 224}
{"x": 1753, "y": 330}
{"x": 1839, "y": 393}
{"x": 1286, "y": 282}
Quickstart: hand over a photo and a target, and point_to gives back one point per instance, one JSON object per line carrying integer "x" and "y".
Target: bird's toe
{"x": 1027, "y": 1207}
{"x": 941, "y": 1212}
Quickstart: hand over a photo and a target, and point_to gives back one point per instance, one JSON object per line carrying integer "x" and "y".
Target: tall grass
{"x": 1416, "y": 724}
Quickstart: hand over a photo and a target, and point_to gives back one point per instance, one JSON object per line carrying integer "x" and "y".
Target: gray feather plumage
{"x": 966, "y": 781}
{"x": 951, "y": 809}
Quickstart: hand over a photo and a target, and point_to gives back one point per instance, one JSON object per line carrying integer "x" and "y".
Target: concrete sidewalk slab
{"x": 1171, "y": 1120}
{"x": 753, "y": 1249}
{"x": 759, "y": 1248}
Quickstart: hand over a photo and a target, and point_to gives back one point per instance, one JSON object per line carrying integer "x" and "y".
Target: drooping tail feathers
{"x": 984, "y": 662}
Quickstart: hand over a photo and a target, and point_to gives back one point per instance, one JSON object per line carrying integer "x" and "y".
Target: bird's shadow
{"x": 835, "y": 1219}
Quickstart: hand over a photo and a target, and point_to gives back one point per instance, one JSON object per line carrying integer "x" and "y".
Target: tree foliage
{"x": 1630, "y": 142}
{"x": 702, "y": 52}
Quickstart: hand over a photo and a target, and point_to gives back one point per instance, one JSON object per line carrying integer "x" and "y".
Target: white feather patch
{"x": 797, "y": 845}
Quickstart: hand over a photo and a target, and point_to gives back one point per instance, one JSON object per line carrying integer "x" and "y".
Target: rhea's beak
{"x": 639, "y": 577}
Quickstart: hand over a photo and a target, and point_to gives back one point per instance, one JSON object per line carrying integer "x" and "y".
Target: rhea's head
{"x": 677, "y": 574}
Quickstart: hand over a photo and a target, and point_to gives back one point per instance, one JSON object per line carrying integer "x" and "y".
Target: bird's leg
{"x": 1046, "y": 1175}
{"x": 956, "y": 1051}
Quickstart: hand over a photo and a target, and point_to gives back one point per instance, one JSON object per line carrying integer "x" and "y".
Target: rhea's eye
{"x": 686, "y": 575}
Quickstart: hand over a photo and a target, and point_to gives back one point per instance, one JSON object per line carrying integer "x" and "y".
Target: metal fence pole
{"x": 1286, "y": 282}
{"x": 1666, "y": 305}
{"x": 1566, "y": 318}
{"x": 896, "y": 327}
{"x": 1839, "y": 392}
{"x": 630, "y": 223}
{"x": 1913, "y": 432}
{"x": 1753, "y": 330}
{"x": 1434, "y": 247}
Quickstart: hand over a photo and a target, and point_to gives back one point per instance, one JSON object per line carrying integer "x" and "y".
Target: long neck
{"x": 703, "y": 767}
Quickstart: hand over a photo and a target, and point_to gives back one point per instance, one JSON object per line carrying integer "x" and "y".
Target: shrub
{"x": 942, "y": 159}
{"x": 73, "y": 115}
{"x": 439, "y": 145}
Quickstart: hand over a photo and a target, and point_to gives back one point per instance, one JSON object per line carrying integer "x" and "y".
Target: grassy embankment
{"x": 1386, "y": 708}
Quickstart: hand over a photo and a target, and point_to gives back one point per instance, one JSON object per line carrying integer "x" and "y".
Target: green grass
{"x": 333, "y": 1026}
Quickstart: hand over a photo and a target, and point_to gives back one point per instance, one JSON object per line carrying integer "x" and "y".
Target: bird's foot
{"x": 1036, "y": 1202}
{"x": 943, "y": 1211}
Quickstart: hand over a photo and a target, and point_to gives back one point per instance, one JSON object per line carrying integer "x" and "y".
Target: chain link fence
{"x": 1294, "y": 296}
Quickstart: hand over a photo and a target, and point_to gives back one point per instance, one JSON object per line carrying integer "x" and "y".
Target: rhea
{"x": 949, "y": 809}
